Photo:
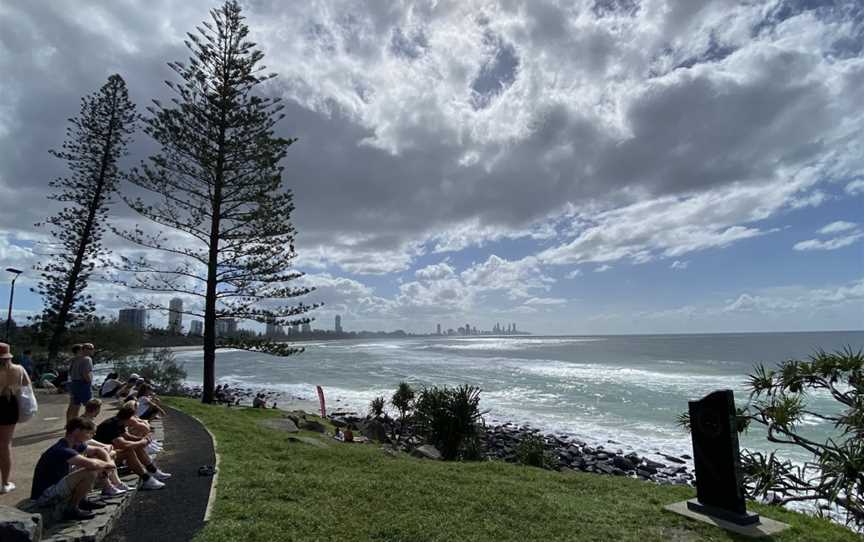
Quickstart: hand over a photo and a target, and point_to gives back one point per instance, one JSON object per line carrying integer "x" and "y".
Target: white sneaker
{"x": 123, "y": 487}
{"x": 152, "y": 450}
{"x": 152, "y": 483}
{"x": 159, "y": 475}
{"x": 111, "y": 491}
{"x": 7, "y": 488}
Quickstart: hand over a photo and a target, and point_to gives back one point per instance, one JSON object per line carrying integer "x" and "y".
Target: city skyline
{"x": 697, "y": 169}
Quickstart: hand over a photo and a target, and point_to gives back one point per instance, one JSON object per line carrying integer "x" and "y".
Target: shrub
{"x": 376, "y": 407}
{"x": 403, "y": 402}
{"x": 159, "y": 367}
{"x": 450, "y": 419}
{"x": 532, "y": 451}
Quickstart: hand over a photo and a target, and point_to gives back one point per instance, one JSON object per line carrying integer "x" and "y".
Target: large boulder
{"x": 623, "y": 462}
{"x": 19, "y": 526}
{"x": 375, "y": 430}
{"x": 312, "y": 425}
{"x": 427, "y": 451}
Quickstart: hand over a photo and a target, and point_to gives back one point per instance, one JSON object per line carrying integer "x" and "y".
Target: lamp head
{"x": 13, "y": 270}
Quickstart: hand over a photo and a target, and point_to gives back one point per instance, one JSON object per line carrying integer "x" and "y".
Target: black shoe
{"x": 77, "y": 514}
{"x": 87, "y": 504}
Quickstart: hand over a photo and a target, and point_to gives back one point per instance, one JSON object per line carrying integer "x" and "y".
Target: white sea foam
{"x": 505, "y": 343}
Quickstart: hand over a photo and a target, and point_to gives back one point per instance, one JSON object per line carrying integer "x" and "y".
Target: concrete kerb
{"x": 214, "y": 482}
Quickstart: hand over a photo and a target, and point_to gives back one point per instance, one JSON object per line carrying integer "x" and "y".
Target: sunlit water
{"x": 625, "y": 388}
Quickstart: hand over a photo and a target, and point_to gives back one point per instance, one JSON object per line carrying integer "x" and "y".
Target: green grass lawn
{"x": 272, "y": 489}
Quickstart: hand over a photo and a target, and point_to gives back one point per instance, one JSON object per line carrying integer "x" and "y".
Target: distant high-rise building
{"x": 338, "y": 327}
{"x": 134, "y": 318}
{"x": 226, "y": 327}
{"x": 439, "y": 329}
{"x": 175, "y": 315}
{"x": 295, "y": 329}
{"x": 307, "y": 328}
{"x": 196, "y": 327}
{"x": 514, "y": 327}
{"x": 273, "y": 330}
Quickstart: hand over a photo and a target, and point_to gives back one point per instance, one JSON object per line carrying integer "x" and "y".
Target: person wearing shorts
{"x": 64, "y": 475}
{"x": 80, "y": 378}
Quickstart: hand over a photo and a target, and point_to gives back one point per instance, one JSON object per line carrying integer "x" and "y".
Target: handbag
{"x": 27, "y": 405}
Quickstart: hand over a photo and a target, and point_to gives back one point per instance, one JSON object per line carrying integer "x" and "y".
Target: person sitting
{"x": 129, "y": 388}
{"x": 110, "y": 386}
{"x": 112, "y": 485}
{"x": 130, "y": 448}
{"x": 148, "y": 404}
{"x": 53, "y": 483}
{"x": 259, "y": 401}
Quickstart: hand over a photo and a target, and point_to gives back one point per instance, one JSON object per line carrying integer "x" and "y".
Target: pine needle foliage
{"x": 95, "y": 142}
{"x": 218, "y": 182}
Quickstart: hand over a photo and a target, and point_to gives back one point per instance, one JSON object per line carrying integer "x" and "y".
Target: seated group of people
{"x": 88, "y": 455}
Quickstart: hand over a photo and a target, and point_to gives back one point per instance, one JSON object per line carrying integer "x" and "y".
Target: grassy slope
{"x": 273, "y": 489}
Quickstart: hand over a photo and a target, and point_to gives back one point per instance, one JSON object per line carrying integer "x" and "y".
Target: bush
{"x": 450, "y": 418}
{"x": 532, "y": 451}
{"x": 159, "y": 367}
{"x": 403, "y": 402}
{"x": 376, "y": 407}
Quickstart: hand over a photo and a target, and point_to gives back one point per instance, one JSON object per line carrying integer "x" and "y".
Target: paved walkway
{"x": 176, "y": 512}
{"x": 36, "y": 436}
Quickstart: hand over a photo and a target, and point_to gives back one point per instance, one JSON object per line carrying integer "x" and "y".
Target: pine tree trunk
{"x": 59, "y": 327}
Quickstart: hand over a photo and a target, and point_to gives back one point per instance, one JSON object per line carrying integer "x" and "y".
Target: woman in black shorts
{"x": 12, "y": 378}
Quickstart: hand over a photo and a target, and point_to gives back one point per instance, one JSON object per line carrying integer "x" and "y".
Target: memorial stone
{"x": 719, "y": 481}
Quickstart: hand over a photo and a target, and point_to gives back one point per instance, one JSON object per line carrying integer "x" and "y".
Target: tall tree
{"x": 218, "y": 179}
{"x": 96, "y": 140}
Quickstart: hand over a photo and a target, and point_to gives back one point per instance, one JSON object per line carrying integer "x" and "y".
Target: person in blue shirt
{"x": 55, "y": 483}
{"x": 27, "y": 362}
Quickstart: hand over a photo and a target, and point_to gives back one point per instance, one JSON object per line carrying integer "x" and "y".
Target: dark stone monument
{"x": 719, "y": 482}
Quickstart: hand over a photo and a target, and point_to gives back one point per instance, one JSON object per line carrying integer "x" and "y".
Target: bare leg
{"x": 133, "y": 461}
{"x": 81, "y": 482}
{"x": 6, "y": 432}
{"x": 72, "y": 411}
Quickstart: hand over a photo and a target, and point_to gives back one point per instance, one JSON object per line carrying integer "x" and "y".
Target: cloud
{"x": 680, "y": 265}
{"x": 435, "y": 272}
{"x": 603, "y": 268}
{"x": 855, "y": 187}
{"x": 573, "y": 274}
{"x": 802, "y": 299}
{"x": 837, "y": 227}
{"x": 829, "y": 244}
{"x": 546, "y": 301}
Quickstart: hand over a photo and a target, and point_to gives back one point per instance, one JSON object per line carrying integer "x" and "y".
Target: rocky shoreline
{"x": 501, "y": 443}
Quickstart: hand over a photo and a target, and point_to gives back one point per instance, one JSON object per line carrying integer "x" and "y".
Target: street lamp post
{"x": 16, "y": 272}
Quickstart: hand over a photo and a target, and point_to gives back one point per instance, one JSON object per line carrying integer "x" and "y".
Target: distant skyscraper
{"x": 273, "y": 330}
{"x": 175, "y": 315}
{"x": 134, "y": 318}
{"x": 196, "y": 327}
{"x": 295, "y": 329}
{"x": 439, "y": 329}
{"x": 338, "y": 327}
{"x": 226, "y": 327}
{"x": 307, "y": 328}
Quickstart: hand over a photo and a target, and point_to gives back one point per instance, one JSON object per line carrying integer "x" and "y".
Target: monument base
{"x": 747, "y": 518}
{"x": 765, "y": 527}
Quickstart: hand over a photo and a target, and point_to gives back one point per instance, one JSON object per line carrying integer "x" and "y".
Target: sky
{"x": 585, "y": 167}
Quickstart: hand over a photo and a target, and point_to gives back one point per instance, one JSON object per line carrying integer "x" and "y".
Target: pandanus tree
{"x": 221, "y": 215}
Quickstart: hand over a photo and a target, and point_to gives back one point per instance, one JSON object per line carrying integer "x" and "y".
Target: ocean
{"x": 627, "y": 389}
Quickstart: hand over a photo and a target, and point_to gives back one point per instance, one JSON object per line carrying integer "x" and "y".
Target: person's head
{"x": 125, "y": 413}
{"x": 28, "y": 352}
{"x": 76, "y": 349}
{"x": 87, "y": 349}
{"x": 144, "y": 389}
{"x": 5, "y": 354}
{"x": 112, "y": 376}
{"x": 80, "y": 429}
{"x": 92, "y": 408}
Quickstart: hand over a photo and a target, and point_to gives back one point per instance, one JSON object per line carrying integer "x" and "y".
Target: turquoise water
{"x": 625, "y": 388}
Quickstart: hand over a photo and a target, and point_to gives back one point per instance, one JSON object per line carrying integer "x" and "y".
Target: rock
{"x": 673, "y": 459}
{"x": 623, "y": 463}
{"x": 427, "y": 451}
{"x": 685, "y": 456}
{"x": 375, "y": 430}
{"x": 644, "y": 474}
{"x": 338, "y": 422}
{"x": 604, "y": 467}
{"x": 19, "y": 526}
{"x": 282, "y": 424}
{"x": 312, "y": 425}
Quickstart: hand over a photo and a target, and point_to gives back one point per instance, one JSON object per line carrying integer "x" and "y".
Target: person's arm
{"x": 89, "y": 463}
{"x": 88, "y": 374}
{"x": 122, "y": 443}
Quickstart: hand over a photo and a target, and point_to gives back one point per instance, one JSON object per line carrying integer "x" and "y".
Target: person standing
{"x": 26, "y": 361}
{"x": 80, "y": 378}
{"x": 12, "y": 379}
